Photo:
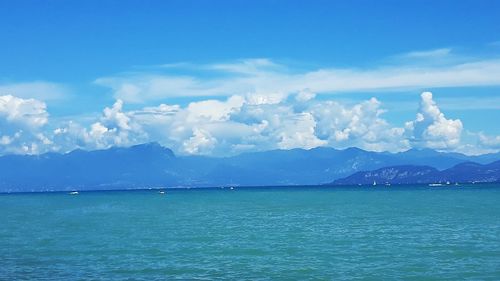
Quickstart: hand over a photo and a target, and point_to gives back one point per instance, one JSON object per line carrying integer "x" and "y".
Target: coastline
{"x": 273, "y": 187}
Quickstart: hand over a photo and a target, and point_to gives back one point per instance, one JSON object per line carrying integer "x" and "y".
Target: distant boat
{"x": 231, "y": 188}
{"x": 387, "y": 184}
{"x": 435, "y": 184}
{"x": 374, "y": 183}
{"x": 161, "y": 192}
{"x": 73, "y": 193}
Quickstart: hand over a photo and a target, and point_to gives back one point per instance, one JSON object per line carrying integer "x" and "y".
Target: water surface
{"x": 253, "y": 234}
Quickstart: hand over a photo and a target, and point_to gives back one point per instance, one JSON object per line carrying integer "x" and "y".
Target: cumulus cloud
{"x": 236, "y": 124}
{"x": 250, "y": 123}
{"x": 431, "y": 128}
{"x": 299, "y": 133}
{"x": 25, "y": 112}
{"x": 201, "y": 142}
{"x": 361, "y": 125}
{"x": 269, "y": 105}
{"x": 21, "y": 124}
{"x": 114, "y": 128}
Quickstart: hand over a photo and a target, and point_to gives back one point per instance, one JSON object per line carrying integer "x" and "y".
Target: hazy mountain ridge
{"x": 151, "y": 165}
{"x": 467, "y": 172}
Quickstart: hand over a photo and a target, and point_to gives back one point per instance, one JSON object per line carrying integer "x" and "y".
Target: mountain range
{"x": 151, "y": 165}
{"x": 467, "y": 172}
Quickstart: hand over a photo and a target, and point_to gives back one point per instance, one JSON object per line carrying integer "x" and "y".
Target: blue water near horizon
{"x": 296, "y": 233}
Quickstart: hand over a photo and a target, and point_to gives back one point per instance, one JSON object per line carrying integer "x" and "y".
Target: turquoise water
{"x": 253, "y": 234}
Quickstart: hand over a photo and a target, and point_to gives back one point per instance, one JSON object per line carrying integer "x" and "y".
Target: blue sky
{"x": 210, "y": 77}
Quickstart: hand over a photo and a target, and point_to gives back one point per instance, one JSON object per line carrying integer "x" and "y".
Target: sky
{"x": 225, "y": 77}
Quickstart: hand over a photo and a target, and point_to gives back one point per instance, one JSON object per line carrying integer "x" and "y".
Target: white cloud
{"x": 436, "y": 53}
{"x": 25, "y": 112}
{"x": 265, "y": 77}
{"x": 260, "y": 98}
{"x": 246, "y": 66}
{"x": 260, "y": 105}
{"x": 214, "y": 110}
{"x": 251, "y": 123}
{"x": 140, "y": 88}
{"x": 299, "y": 132}
{"x": 361, "y": 125}
{"x": 114, "y": 128}
{"x": 489, "y": 142}
{"x": 201, "y": 142}
{"x": 305, "y": 95}
{"x": 432, "y": 129}
{"x": 40, "y": 90}
{"x": 115, "y": 118}
{"x": 240, "y": 124}
{"x": 21, "y": 124}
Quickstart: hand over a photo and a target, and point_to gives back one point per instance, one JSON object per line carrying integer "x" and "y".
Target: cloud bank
{"x": 236, "y": 124}
{"x": 255, "y": 105}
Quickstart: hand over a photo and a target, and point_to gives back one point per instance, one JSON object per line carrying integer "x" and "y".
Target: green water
{"x": 253, "y": 234}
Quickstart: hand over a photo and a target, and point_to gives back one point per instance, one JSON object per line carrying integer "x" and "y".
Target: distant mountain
{"x": 468, "y": 172}
{"x": 141, "y": 165}
{"x": 151, "y": 165}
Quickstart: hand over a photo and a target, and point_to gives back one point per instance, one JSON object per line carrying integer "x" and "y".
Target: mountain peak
{"x": 152, "y": 147}
{"x": 153, "y": 144}
{"x": 353, "y": 149}
{"x": 421, "y": 150}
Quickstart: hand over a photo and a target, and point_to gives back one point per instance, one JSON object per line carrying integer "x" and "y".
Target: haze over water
{"x": 410, "y": 233}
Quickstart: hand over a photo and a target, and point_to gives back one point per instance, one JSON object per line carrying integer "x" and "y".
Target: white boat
{"x": 161, "y": 192}
{"x": 374, "y": 183}
{"x": 435, "y": 184}
{"x": 73, "y": 193}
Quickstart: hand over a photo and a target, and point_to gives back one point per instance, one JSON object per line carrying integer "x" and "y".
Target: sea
{"x": 287, "y": 233}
